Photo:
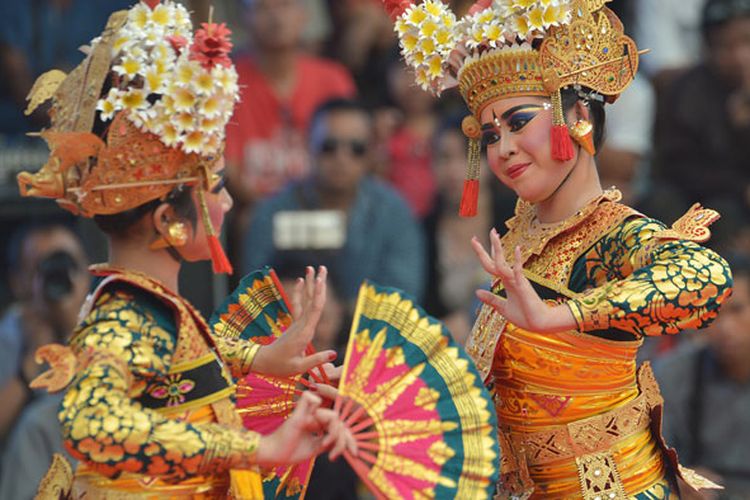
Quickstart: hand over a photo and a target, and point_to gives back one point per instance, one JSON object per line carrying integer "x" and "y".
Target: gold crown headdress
{"x": 507, "y": 48}
{"x": 162, "y": 96}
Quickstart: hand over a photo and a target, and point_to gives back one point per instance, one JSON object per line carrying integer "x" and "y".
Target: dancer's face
{"x": 516, "y": 131}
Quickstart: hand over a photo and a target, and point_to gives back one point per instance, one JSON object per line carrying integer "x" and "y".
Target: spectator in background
{"x": 339, "y": 216}
{"x": 47, "y": 268}
{"x": 706, "y": 387}
{"x": 48, "y": 277}
{"x": 703, "y": 124}
{"x": 409, "y": 150}
{"x": 364, "y": 41}
{"x": 624, "y": 160}
{"x": 453, "y": 272}
{"x": 281, "y": 86}
{"x": 36, "y": 36}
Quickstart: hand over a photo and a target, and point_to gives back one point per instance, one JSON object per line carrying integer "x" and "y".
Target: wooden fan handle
{"x": 363, "y": 471}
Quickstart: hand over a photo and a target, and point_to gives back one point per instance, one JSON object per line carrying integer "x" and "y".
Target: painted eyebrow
{"x": 510, "y": 112}
{"x": 518, "y": 108}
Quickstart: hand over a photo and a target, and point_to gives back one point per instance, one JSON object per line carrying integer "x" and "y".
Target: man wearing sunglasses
{"x": 340, "y": 216}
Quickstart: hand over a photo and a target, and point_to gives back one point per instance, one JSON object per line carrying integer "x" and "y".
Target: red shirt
{"x": 410, "y": 170}
{"x": 267, "y": 137}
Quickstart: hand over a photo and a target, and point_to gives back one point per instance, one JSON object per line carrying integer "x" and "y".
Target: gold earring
{"x": 176, "y": 236}
{"x": 582, "y": 132}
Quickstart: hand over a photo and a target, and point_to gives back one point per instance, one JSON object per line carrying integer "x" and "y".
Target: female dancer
{"x": 580, "y": 279}
{"x": 136, "y": 142}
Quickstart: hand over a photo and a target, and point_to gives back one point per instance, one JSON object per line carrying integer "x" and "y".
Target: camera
{"x": 55, "y": 272}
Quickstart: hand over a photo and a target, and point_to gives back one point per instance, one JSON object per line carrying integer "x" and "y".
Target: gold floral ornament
{"x": 693, "y": 226}
{"x": 144, "y": 113}
{"x": 510, "y": 48}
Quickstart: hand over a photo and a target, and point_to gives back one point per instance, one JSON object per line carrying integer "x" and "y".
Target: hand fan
{"x": 259, "y": 311}
{"x": 424, "y": 422}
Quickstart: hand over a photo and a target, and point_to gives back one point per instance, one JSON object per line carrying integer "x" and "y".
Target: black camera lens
{"x": 55, "y": 271}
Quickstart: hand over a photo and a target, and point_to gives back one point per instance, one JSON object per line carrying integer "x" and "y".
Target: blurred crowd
{"x": 335, "y": 157}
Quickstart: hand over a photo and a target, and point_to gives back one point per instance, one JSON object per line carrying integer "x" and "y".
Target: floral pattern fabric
{"x": 631, "y": 284}
{"x": 128, "y": 341}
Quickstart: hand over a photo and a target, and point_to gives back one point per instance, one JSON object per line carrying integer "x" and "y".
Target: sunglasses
{"x": 356, "y": 147}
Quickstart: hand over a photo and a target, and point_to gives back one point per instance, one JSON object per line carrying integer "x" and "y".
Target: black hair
{"x": 120, "y": 224}
{"x": 336, "y": 105}
{"x": 14, "y": 248}
{"x": 717, "y": 13}
{"x": 598, "y": 116}
{"x": 329, "y": 107}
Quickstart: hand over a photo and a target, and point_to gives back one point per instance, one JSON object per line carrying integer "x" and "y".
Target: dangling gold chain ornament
{"x": 163, "y": 96}
{"x": 510, "y": 48}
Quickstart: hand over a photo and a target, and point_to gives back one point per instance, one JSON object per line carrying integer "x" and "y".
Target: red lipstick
{"x": 517, "y": 169}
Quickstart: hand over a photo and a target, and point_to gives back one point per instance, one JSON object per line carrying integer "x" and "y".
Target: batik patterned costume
{"x": 576, "y": 418}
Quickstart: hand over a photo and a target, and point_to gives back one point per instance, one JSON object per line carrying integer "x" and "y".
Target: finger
{"x": 325, "y": 418}
{"x": 352, "y": 444}
{"x": 309, "y": 285}
{"x": 517, "y": 263}
{"x": 297, "y": 298}
{"x": 340, "y": 443}
{"x": 321, "y": 284}
{"x": 484, "y": 258}
{"x": 307, "y": 403}
{"x": 333, "y": 372}
{"x": 327, "y": 391}
{"x": 497, "y": 250}
{"x": 489, "y": 298}
{"x": 309, "y": 362}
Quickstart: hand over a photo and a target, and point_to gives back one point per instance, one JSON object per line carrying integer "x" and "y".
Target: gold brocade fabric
{"x": 128, "y": 416}
{"x": 574, "y": 419}
{"x": 92, "y": 486}
{"x": 542, "y": 382}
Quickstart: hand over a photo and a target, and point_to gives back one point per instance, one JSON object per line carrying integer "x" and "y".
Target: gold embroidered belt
{"x": 589, "y": 435}
{"x": 588, "y": 442}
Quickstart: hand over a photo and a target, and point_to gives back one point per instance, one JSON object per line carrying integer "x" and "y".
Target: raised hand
{"x": 522, "y": 305}
{"x": 286, "y": 356}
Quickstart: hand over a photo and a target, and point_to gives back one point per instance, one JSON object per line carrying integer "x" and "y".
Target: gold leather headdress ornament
{"x": 509, "y": 48}
{"x": 143, "y": 113}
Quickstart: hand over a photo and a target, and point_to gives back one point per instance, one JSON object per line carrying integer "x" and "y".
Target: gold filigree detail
{"x": 57, "y": 483}
{"x": 693, "y": 226}
{"x": 43, "y": 89}
{"x": 63, "y": 367}
{"x": 503, "y": 73}
{"x": 592, "y": 51}
{"x": 599, "y": 477}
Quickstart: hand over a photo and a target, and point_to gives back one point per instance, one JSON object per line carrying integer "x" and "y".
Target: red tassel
{"x": 469, "y": 198}
{"x": 218, "y": 257}
{"x": 562, "y": 145}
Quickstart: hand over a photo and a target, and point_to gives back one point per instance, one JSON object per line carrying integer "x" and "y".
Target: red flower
{"x": 395, "y": 8}
{"x": 177, "y": 42}
{"x": 479, "y": 6}
{"x": 211, "y": 45}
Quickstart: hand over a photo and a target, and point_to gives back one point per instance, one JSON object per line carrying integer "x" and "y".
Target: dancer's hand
{"x": 308, "y": 431}
{"x": 522, "y": 306}
{"x": 286, "y": 356}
